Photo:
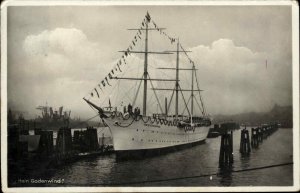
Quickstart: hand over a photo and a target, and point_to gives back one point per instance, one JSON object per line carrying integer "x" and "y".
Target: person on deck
{"x": 135, "y": 111}
{"x": 129, "y": 109}
{"x": 138, "y": 111}
{"x": 124, "y": 109}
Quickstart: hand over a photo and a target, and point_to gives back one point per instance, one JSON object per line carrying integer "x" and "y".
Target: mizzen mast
{"x": 145, "y": 72}
{"x": 177, "y": 80}
{"x": 192, "y": 94}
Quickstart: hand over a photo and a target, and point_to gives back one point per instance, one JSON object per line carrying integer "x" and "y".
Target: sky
{"x": 59, "y": 54}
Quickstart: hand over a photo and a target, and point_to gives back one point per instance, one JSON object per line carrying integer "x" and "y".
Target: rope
{"x": 187, "y": 104}
{"x": 199, "y": 105}
{"x": 137, "y": 92}
{"x": 169, "y": 105}
{"x": 155, "y": 95}
{"x": 203, "y": 107}
{"x": 184, "y": 100}
{"x": 86, "y": 120}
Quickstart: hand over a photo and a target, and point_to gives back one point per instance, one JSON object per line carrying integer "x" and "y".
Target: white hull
{"x": 138, "y": 135}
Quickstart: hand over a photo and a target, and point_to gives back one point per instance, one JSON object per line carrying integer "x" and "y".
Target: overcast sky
{"x": 59, "y": 54}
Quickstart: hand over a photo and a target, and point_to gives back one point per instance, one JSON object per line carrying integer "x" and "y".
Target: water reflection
{"x": 245, "y": 161}
{"x": 225, "y": 175}
{"x": 194, "y": 161}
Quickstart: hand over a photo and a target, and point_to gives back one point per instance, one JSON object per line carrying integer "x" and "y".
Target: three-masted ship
{"x": 141, "y": 134}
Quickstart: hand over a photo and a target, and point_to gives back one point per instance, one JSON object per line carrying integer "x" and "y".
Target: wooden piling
{"x": 46, "y": 142}
{"x": 226, "y": 150}
{"x": 245, "y": 148}
{"x": 260, "y": 134}
{"x": 92, "y": 139}
{"x": 64, "y": 140}
{"x": 254, "y": 138}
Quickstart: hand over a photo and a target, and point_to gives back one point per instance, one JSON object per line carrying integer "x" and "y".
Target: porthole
{"x": 132, "y": 139}
{"x": 137, "y": 130}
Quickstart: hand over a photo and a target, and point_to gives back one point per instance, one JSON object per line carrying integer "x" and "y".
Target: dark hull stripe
{"x": 143, "y": 153}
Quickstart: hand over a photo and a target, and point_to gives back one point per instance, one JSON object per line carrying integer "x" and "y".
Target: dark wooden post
{"x": 226, "y": 150}
{"x": 245, "y": 142}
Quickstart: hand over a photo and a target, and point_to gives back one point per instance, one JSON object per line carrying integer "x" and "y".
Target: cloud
{"x": 62, "y": 52}
{"x": 62, "y": 65}
{"x": 236, "y": 79}
{"x": 57, "y": 66}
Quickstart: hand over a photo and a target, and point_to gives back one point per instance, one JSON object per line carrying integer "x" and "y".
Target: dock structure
{"x": 46, "y": 147}
{"x": 254, "y": 138}
{"x": 64, "y": 140}
{"x": 226, "y": 150}
{"x": 86, "y": 140}
{"x": 245, "y": 148}
{"x": 260, "y": 134}
{"x": 92, "y": 139}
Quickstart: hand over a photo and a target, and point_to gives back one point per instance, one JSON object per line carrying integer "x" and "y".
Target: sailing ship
{"x": 142, "y": 134}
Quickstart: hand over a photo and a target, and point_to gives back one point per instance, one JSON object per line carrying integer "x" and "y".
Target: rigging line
{"x": 137, "y": 92}
{"x": 164, "y": 35}
{"x": 138, "y": 72}
{"x": 101, "y": 130}
{"x": 184, "y": 99}
{"x": 199, "y": 106}
{"x": 164, "y": 74}
{"x": 169, "y": 105}
{"x": 150, "y": 99}
{"x": 126, "y": 95}
{"x": 108, "y": 93}
{"x": 86, "y": 120}
{"x": 187, "y": 104}
{"x": 151, "y": 40}
{"x": 201, "y": 100}
{"x": 113, "y": 88}
{"x": 155, "y": 94}
{"x": 116, "y": 96}
{"x": 135, "y": 85}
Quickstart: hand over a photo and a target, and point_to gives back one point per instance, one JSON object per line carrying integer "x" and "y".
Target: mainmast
{"x": 177, "y": 81}
{"x": 192, "y": 94}
{"x": 145, "y": 72}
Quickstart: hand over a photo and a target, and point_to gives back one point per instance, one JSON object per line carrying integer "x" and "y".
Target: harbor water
{"x": 200, "y": 161}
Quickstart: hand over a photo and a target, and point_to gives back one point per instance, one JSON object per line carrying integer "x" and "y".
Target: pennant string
{"x": 97, "y": 93}
{"x": 147, "y": 19}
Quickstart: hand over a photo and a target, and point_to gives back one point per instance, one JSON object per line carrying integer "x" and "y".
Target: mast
{"x": 145, "y": 72}
{"x": 192, "y": 94}
{"x": 177, "y": 80}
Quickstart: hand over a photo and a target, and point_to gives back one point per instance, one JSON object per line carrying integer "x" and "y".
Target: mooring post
{"x": 254, "y": 138}
{"x": 260, "y": 134}
{"x": 245, "y": 142}
{"x": 231, "y": 146}
{"x": 226, "y": 150}
{"x": 221, "y": 156}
